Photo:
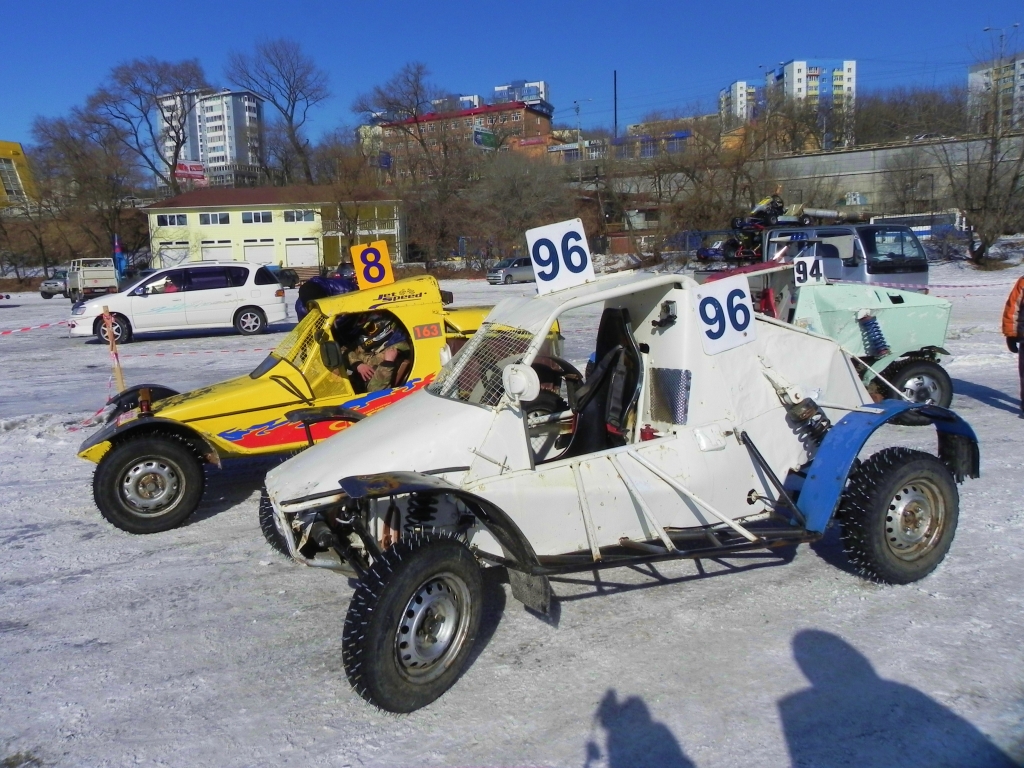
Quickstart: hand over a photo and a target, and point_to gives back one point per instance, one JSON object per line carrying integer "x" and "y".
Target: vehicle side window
{"x": 265, "y": 277}
{"x": 168, "y": 282}
{"x": 237, "y": 276}
{"x": 523, "y": 263}
{"x": 207, "y": 278}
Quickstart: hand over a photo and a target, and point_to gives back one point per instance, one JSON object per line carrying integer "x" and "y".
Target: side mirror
{"x": 520, "y": 382}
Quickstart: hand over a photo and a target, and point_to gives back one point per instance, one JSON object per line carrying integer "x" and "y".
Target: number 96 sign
{"x": 560, "y": 255}
{"x": 725, "y": 314}
{"x": 372, "y": 264}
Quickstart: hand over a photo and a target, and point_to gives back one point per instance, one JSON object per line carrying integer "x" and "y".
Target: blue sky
{"x": 668, "y": 55}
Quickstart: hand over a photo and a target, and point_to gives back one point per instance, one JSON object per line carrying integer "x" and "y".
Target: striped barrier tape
{"x": 198, "y": 352}
{"x": 32, "y": 328}
{"x": 916, "y": 286}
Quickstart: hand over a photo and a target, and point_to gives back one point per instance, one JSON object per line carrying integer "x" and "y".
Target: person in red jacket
{"x": 1013, "y": 330}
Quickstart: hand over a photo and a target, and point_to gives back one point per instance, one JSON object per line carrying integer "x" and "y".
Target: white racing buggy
{"x": 702, "y": 430}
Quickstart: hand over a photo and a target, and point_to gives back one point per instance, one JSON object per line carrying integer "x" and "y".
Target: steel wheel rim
{"x": 915, "y": 519}
{"x": 922, "y": 388}
{"x": 250, "y": 321}
{"x": 433, "y": 627}
{"x": 151, "y": 485}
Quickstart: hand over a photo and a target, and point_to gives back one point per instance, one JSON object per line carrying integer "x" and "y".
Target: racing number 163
{"x": 548, "y": 257}
{"x": 719, "y": 319}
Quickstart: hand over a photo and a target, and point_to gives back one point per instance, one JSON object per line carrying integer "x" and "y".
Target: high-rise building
{"x": 997, "y": 87}
{"x": 739, "y": 102}
{"x": 533, "y": 94}
{"x": 825, "y": 82}
{"x": 15, "y": 179}
{"x": 224, "y": 130}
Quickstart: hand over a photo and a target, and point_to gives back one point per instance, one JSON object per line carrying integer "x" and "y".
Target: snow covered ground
{"x": 200, "y": 647}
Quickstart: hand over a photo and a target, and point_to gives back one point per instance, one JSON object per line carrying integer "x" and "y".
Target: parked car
{"x": 705, "y": 430}
{"x": 288, "y": 278}
{"x": 55, "y": 286}
{"x": 150, "y": 457}
{"x": 203, "y": 295}
{"x": 508, "y": 271}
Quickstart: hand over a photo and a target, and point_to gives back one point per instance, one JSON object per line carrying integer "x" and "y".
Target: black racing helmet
{"x": 376, "y": 328}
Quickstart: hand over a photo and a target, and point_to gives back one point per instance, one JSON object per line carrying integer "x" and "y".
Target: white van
{"x": 205, "y": 295}
{"x": 863, "y": 253}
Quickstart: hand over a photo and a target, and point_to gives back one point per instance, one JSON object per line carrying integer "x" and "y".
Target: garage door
{"x": 171, "y": 257}
{"x": 259, "y": 254}
{"x": 216, "y": 253}
{"x": 303, "y": 255}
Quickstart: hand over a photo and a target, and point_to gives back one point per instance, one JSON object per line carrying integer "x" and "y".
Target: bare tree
{"x": 279, "y": 72}
{"x": 903, "y": 188}
{"x": 134, "y": 103}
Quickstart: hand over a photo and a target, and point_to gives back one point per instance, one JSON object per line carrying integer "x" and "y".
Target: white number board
{"x": 560, "y": 255}
{"x": 808, "y": 270}
{"x": 725, "y": 314}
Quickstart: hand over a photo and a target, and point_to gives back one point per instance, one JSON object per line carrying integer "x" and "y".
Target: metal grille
{"x": 302, "y": 339}
{"x": 474, "y": 374}
{"x": 670, "y": 395}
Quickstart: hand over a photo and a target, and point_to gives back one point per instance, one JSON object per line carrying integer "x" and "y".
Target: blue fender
{"x": 827, "y": 475}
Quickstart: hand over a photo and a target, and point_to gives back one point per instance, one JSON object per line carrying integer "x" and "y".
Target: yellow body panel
{"x": 245, "y": 416}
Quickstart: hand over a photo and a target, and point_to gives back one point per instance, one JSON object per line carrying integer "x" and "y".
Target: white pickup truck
{"x": 91, "y": 277}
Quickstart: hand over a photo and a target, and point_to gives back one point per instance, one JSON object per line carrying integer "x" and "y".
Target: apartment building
{"x": 534, "y": 94}
{"x": 831, "y": 82}
{"x": 997, "y": 88}
{"x": 224, "y": 131}
{"x": 15, "y": 179}
{"x": 739, "y": 101}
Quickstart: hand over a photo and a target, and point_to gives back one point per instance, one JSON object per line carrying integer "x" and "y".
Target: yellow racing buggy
{"x": 151, "y": 451}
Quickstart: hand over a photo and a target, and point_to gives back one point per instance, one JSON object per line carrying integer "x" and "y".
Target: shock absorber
{"x": 813, "y": 421}
{"x": 421, "y": 511}
{"x": 874, "y": 340}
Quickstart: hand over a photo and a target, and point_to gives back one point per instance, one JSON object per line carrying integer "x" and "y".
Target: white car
{"x": 202, "y": 295}
{"x": 704, "y": 430}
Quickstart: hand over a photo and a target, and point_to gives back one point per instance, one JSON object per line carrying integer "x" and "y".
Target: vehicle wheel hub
{"x": 922, "y": 389}
{"x": 433, "y": 627}
{"x": 250, "y": 321}
{"x": 151, "y": 485}
{"x": 914, "y": 520}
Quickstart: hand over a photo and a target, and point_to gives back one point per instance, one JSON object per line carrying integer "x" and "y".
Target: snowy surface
{"x": 201, "y": 647}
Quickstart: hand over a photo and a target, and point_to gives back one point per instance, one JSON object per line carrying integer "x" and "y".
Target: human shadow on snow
{"x": 987, "y": 396}
{"x": 851, "y": 716}
{"x": 632, "y": 737}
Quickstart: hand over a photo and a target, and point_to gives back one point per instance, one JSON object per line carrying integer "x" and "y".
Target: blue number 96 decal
{"x": 542, "y": 260}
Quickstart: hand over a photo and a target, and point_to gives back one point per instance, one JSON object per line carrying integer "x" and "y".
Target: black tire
{"x": 46, "y": 295}
{"x": 148, "y": 484}
{"x": 421, "y": 587}
{"x": 898, "y": 515}
{"x": 923, "y": 381}
{"x": 122, "y": 329}
{"x": 508, "y": 279}
{"x": 250, "y": 321}
{"x": 268, "y": 524}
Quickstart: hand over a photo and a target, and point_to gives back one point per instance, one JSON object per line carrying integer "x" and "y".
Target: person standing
{"x": 1013, "y": 330}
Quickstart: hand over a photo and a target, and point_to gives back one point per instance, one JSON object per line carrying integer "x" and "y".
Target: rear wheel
{"x": 923, "y": 381}
{"x": 250, "y": 321}
{"x": 148, "y": 484}
{"x": 898, "y": 515}
{"x": 119, "y": 325}
{"x": 412, "y": 622}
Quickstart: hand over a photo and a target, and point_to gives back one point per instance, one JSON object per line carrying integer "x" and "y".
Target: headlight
{"x": 78, "y": 309}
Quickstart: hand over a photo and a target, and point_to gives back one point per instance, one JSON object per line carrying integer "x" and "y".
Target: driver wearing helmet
{"x": 379, "y": 351}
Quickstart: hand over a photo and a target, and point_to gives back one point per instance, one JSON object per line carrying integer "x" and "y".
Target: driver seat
{"x": 604, "y": 404}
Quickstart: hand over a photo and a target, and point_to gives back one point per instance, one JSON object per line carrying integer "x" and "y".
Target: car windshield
{"x": 883, "y": 244}
{"x": 303, "y": 347}
{"x": 474, "y": 374}
{"x": 503, "y": 264}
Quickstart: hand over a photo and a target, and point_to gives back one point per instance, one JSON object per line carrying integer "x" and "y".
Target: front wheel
{"x": 119, "y": 325}
{"x": 923, "y": 381}
{"x": 148, "y": 484}
{"x": 898, "y": 515}
{"x": 508, "y": 279}
{"x": 250, "y": 321}
{"x": 46, "y": 295}
{"x": 412, "y": 621}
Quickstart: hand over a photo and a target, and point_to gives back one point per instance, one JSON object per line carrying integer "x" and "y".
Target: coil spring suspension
{"x": 874, "y": 339}
{"x": 813, "y": 421}
{"x": 421, "y": 511}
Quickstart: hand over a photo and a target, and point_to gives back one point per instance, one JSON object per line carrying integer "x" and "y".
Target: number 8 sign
{"x": 725, "y": 314}
{"x": 372, "y": 264}
{"x": 560, "y": 255}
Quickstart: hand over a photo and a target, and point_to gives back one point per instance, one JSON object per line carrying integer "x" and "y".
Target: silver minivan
{"x": 863, "y": 253}
{"x": 508, "y": 271}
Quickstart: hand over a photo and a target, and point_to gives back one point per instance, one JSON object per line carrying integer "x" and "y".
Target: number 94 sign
{"x": 560, "y": 255}
{"x": 725, "y": 314}
{"x": 372, "y": 264}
